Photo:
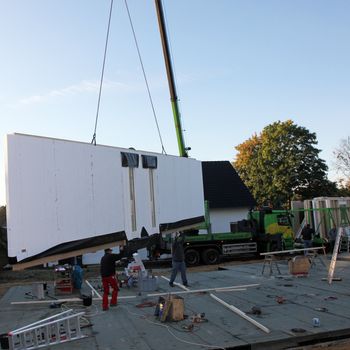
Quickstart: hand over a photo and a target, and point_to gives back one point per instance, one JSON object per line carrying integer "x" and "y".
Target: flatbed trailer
{"x": 208, "y": 248}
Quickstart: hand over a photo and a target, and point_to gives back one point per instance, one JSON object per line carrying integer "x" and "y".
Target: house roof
{"x": 223, "y": 187}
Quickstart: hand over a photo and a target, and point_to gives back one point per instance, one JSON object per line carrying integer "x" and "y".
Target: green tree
{"x": 282, "y": 163}
{"x": 3, "y": 237}
{"x": 2, "y": 216}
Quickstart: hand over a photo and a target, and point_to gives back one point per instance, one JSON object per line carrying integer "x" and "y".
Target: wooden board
{"x": 73, "y": 253}
{"x": 176, "y": 312}
{"x": 295, "y": 251}
{"x": 166, "y": 309}
{"x": 299, "y": 265}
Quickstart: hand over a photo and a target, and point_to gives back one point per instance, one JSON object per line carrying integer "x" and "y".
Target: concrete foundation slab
{"x": 288, "y": 306}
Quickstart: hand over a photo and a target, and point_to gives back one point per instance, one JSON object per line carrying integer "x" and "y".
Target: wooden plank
{"x": 294, "y": 250}
{"x": 241, "y": 313}
{"x": 175, "y": 283}
{"x": 94, "y": 291}
{"x": 166, "y": 310}
{"x": 198, "y": 291}
{"x": 66, "y": 300}
{"x": 41, "y": 261}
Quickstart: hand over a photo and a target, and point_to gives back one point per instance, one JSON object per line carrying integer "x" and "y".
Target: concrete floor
{"x": 290, "y": 322}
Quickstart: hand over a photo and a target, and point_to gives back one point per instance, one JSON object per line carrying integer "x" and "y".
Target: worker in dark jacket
{"x": 332, "y": 236}
{"x": 178, "y": 259}
{"x": 109, "y": 278}
{"x": 307, "y": 234}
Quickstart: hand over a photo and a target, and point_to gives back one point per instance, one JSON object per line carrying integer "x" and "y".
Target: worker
{"x": 178, "y": 259}
{"x": 109, "y": 278}
{"x": 332, "y": 235}
{"x": 307, "y": 235}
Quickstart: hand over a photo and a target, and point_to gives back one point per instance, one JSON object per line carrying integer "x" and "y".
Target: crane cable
{"x": 145, "y": 77}
{"x": 93, "y": 141}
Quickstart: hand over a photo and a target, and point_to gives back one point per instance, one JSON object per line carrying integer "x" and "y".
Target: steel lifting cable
{"x": 102, "y": 73}
{"x": 145, "y": 77}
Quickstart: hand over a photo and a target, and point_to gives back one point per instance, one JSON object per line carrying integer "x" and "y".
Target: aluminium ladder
{"x": 344, "y": 222}
{"x": 57, "y": 329}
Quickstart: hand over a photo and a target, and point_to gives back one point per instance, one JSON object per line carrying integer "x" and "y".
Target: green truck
{"x": 263, "y": 230}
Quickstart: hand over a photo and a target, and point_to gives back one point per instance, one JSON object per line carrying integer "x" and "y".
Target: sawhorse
{"x": 313, "y": 256}
{"x": 270, "y": 260}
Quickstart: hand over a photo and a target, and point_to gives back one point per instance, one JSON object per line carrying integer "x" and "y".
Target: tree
{"x": 283, "y": 163}
{"x": 342, "y": 159}
{"x": 343, "y": 188}
{"x": 2, "y": 216}
{"x": 3, "y": 236}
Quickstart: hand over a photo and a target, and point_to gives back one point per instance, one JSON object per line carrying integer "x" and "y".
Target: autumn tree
{"x": 282, "y": 163}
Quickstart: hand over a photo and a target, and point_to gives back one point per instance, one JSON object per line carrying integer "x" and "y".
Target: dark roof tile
{"x": 223, "y": 187}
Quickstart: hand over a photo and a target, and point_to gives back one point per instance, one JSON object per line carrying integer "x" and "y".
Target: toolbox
{"x": 63, "y": 283}
{"x": 299, "y": 266}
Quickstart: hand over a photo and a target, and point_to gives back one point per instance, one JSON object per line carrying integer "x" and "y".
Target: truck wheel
{"x": 192, "y": 257}
{"x": 211, "y": 256}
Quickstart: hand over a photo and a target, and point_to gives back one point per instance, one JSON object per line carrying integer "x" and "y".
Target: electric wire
{"x": 145, "y": 77}
{"x": 90, "y": 311}
{"x": 93, "y": 141}
{"x": 169, "y": 330}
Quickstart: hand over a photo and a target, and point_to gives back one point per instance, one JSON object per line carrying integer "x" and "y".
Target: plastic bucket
{"x": 4, "y": 341}
{"x": 87, "y": 300}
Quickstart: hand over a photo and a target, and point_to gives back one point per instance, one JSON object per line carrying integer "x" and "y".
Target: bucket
{"x": 38, "y": 290}
{"x": 316, "y": 322}
{"x": 4, "y": 341}
{"x": 87, "y": 300}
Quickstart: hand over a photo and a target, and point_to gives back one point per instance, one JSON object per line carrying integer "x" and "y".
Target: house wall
{"x": 221, "y": 218}
{"x": 59, "y": 191}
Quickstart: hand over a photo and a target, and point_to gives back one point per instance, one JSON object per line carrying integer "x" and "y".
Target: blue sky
{"x": 240, "y": 65}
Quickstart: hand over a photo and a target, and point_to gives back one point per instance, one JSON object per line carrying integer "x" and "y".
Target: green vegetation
{"x": 281, "y": 164}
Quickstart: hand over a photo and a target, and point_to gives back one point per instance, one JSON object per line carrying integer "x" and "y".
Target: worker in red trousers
{"x": 109, "y": 278}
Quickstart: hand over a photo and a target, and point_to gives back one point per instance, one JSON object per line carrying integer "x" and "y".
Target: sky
{"x": 239, "y": 65}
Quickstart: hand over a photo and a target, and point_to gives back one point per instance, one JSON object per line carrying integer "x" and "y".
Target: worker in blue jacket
{"x": 178, "y": 259}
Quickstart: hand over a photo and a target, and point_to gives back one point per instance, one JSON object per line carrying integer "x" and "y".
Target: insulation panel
{"x": 60, "y": 191}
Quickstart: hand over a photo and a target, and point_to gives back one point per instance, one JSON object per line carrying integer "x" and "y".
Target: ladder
{"x": 334, "y": 255}
{"x": 303, "y": 223}
{"x": 57, "y": 329}
{"x": 344, "y": 222}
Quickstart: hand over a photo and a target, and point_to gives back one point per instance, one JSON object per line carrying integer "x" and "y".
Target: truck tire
{"x": 211, "y": 256}
{"x": 192, "y": 257}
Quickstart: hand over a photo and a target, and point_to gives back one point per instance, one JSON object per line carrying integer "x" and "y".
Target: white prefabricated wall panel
{"x": 221, "y": 218}
{"x": 60, "y": 191}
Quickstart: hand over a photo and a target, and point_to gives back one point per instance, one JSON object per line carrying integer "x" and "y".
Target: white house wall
{"x": 59, "y": 191}
{"x": 177, "y": 178}
{"x": 221, "y": 218}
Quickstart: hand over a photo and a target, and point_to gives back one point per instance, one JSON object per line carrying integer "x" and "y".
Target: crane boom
{"x": 171, "y": 80}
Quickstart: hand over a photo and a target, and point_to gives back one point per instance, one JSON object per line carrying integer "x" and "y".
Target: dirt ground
{"x": 10, "y": 279}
